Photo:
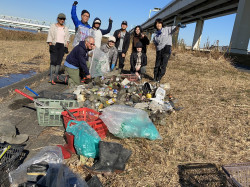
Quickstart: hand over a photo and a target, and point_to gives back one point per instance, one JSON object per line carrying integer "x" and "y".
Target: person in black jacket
{"x": 138, "y": 61}
{"x": 77, "y": 59}
{"x": 139, "y": 37}
{"x": 122, "y": 43}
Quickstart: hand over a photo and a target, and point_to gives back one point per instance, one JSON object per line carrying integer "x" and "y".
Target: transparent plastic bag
{"x": 86, "y": 139}
{"x": 127, "y": 122}
{"x": 59, "y": 175}
{"x": 100, "y": 64}
{"x": 81, "y": 34}
{"x": 49, "y": 154}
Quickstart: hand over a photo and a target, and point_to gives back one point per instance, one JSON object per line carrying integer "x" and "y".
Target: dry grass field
{"x": 211, "y": 130}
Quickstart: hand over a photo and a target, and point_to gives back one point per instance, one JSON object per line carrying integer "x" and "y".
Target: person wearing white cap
{"x": 97, "y": 33}
{"x": 111, "y": 50}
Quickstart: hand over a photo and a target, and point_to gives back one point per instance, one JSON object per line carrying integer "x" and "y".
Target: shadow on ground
{"x": 201, "y": 174}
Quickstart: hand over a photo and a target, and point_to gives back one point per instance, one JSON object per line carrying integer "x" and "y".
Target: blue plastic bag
{"x": 86, "y": 139}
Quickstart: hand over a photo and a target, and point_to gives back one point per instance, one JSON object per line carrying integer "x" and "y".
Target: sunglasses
{"x": 62, "y": 18}
{"x": 91, "y": 44}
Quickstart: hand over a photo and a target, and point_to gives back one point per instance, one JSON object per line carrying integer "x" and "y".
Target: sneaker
{"x": 53, "y": 82}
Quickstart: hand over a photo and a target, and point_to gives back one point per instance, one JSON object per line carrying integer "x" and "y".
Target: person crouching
{"x": 77, "y": 59}
{"x": 111, "y": 50}
{"x": 138, "y": 61}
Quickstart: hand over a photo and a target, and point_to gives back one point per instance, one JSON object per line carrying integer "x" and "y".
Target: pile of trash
{"x": 120, "y": 104}
{"x": 119, "y": 90}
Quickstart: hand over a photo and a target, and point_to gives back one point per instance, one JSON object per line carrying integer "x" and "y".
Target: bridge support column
{"x": 197, "y": 35}
{"x": 177, "y": 20}
{"x": 241, "y": 31}
{"x": 149, "y": 35}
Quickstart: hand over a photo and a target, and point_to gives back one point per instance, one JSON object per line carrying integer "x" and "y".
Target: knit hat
{"x": 112, "y": 38}
{"x": 85, "y": 11}
{"x": 61, "y": 15}
{"x": 138, "y": 45}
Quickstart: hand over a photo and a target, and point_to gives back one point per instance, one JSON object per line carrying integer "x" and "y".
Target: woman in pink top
{"x": 58, "y": 40}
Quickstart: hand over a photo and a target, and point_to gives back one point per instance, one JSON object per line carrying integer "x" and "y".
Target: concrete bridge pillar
{"x": 197, "y": 35}
{"x": 177, "y": 20}
{"x": 149, "y": 35}
{"x": 241, "y": 31}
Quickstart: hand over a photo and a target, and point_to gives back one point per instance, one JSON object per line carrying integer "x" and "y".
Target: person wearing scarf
{"x": 138, "y": 61}
{"x": 163, "y": 44}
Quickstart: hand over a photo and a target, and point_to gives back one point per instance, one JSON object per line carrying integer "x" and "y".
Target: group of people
{"x": 116, "y": 48}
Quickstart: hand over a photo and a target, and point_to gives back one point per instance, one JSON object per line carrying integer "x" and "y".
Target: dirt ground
{"x": 211, "y": 130}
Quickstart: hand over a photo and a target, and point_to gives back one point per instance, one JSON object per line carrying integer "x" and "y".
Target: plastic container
{"x": 90, "y": 116}
{"x": 130, "y": 77}
{"x": 10, "y": 161}
{"x": 50, "y": 115}
{"x": 238, "y": 174}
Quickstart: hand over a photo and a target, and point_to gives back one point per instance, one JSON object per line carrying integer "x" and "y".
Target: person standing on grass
{"x": 122, "y": 43}
{"x": 78, "y": 59}
{"x": 58, "y": 40}
{"x": 163, "y": 43}
{"x": 111, "y": 50}
{"x": 138, "y": 61}
{"x": 97, "y": 33}
{"x": 139, "y": 37}
{"x": 85, "y": 15}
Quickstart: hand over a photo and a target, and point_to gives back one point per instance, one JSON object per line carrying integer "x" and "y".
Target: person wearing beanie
{"x": 111, "y": 50}
{"x": 97, "y": 33}
{"x": 138, "y": 61}
{"x": 85, "y": 15}
{"x": 58, "y": 40}
{"x": 139, "y": 36}
{"x": 122, "y": 43}
{"x": 163, "y": 44}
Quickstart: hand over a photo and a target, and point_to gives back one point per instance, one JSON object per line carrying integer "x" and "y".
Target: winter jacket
{"x": 52, "y": 35}
{"x": 78, "y": 57}
{"x": 112, "y": 53}
{"x": 133, "y": 60}
{"x": 75, "y": 19}
{"x": 163, "y": 37}
{"x": 125, "y": 42}
{"x": 98, "y": 33}
{"x": 137, "y": 38}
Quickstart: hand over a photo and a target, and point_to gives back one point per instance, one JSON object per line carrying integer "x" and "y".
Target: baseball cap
{"x": 97, "y": 21}
{"x": 61, "y": 15}
{"x": 124, "y": 23}
{"x": 112, "y": 38}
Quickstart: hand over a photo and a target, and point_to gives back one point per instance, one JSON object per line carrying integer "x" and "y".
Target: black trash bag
{"x": 58, "y": 96}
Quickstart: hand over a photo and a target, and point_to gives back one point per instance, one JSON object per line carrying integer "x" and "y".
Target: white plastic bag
{"x": 124, "y": 122}
{"x": 81, "y": 34}
{"x": 100, "y": 63}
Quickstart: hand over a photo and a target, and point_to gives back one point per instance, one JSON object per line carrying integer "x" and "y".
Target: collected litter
{"x": 86, "y": 138}
{"x": 128, "y": 122}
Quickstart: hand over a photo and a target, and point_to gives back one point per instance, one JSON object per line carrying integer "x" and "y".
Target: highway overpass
{"x": 190, "y": 11}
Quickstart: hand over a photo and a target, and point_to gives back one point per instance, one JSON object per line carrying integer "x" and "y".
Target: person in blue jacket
{"x": 85, "y": 15}
{"x": 77, "y": 59}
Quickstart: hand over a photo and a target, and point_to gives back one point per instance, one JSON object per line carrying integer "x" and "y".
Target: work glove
{"x": 181, "y": 26}
{"x": 66, "y": 50}
{"x": 52, "y": 49}
{"x": 110, "y": 20}
{"x": 75, "y": 3}
{"x": 112, "y": 66}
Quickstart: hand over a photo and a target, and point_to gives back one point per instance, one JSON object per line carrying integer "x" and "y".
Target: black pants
{"x": 121, "y": 60}
{"x": 56, "y": 55}
{"x": 161, "y": 62}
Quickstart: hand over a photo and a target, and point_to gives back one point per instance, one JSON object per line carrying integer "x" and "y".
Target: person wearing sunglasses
{"x": 111, "y": 50}
{"x": 85, "y": 15}
{"x": 58, "y": 40}
{"x": 78, "y": 58}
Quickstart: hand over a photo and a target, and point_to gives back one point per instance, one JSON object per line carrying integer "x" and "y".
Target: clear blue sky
{"x": 135, "y": 12}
